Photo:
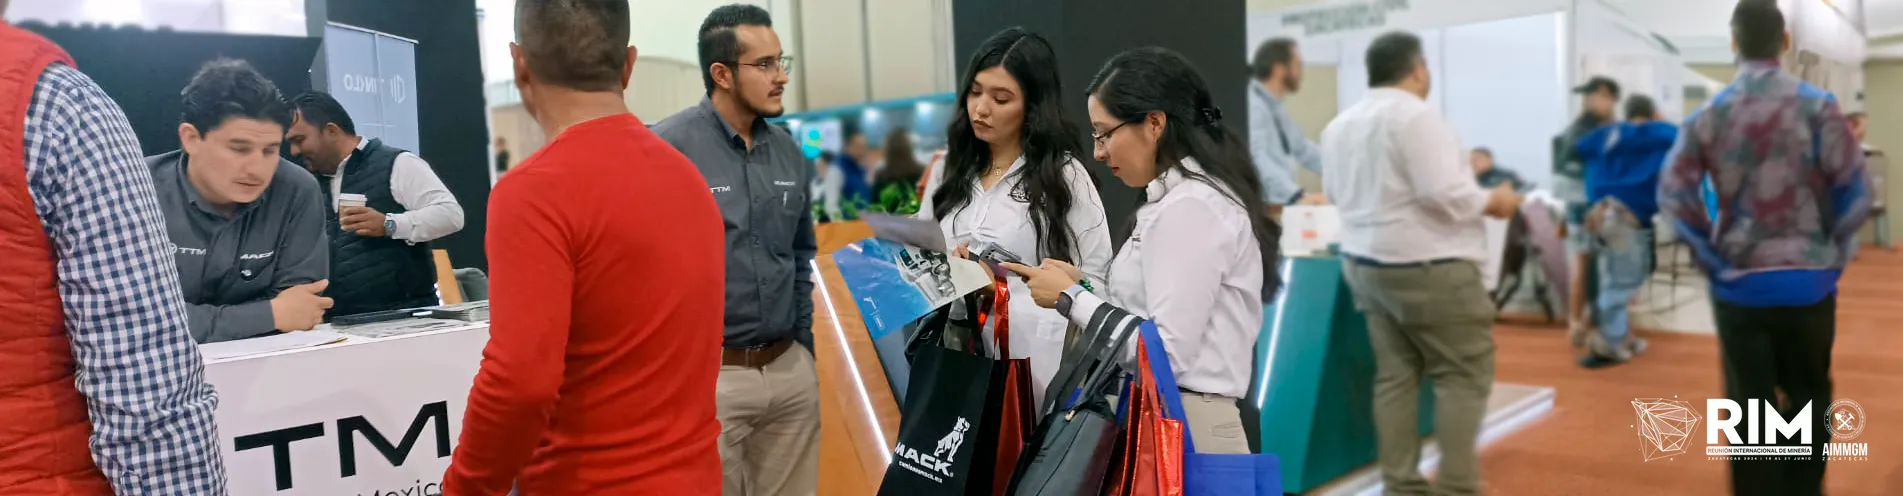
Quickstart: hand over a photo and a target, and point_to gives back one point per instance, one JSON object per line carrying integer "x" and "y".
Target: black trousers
{"x": 1768, "y": 351}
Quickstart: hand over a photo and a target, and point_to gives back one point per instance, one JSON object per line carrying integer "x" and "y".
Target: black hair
{"x": 1277, "y": 51}
{"x": 901, "y": 162}
{"x": 1048, "y": 139}
{"x": 1757, "y": 26}
{"x": 1483, "y": 151}
{"x": 577, "y": 44}
{"x": 319, "y": 108}
{"x": 226, "y": 88}
{"x": 718, "y": 42}
{"x": 1640, "y": 106}
{"x": 1153, "y": 79}
{"x": 1392, "y": 58}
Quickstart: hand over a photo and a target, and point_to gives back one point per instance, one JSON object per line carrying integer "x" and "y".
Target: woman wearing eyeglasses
{"x": 1010, "y": 180}
{"x": 1193, "y": 263}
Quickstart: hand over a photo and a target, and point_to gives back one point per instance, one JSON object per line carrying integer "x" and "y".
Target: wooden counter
{"x": 859, "y": 418}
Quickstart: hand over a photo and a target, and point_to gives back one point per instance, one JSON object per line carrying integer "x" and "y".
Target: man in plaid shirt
{"x": 95, "y": 356}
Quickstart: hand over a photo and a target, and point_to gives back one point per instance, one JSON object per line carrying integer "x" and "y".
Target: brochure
{"x": 896, "y": 284}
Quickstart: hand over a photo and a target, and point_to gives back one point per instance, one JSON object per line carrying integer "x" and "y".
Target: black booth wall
{"x": 144, "y": 70}
{"x": 451, "y": 111}
{"x": 1086, "y": 33}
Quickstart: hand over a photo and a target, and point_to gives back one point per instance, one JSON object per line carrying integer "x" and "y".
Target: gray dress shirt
{"x": 230, "y": 268}
{"x": 762, "y": 194}
{"x": 1278, "y": 147}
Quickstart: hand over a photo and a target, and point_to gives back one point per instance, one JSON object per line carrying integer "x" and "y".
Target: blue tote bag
{"x": 1207, "y": 474}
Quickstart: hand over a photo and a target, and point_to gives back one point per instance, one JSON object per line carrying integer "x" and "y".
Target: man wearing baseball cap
{"x": 1601, "y": 94}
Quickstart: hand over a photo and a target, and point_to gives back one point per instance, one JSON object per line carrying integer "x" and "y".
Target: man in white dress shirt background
{"x": 379, "y": 252}
{"x": 1412, "y": 240}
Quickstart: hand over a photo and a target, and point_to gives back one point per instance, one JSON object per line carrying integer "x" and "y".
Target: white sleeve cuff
{"x": 1083, "y": 305}
{"x": 400, "y": 227}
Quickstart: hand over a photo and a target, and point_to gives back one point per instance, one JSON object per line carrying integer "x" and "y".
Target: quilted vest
{"x": 376, "y": 274}
{"x": 43, "y": 441}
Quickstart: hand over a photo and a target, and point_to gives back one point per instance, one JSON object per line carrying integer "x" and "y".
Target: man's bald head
{"x": 578, "y": 44}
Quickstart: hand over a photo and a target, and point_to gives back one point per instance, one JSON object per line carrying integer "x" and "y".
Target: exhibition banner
{"x": 374, "y": 76}
{"x": 331, "y": 420}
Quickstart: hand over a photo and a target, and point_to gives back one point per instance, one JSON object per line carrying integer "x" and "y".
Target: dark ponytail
{"x": 1153, "y": 79}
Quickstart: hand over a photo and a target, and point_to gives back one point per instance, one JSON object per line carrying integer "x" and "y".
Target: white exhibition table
{"x": 366, "y": 416}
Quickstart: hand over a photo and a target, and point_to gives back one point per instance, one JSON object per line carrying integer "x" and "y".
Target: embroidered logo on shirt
{"x": 256, "y": 256}
{"x": 721, "y": 189}
{"x": 782, "y": 183}
{"x": 176, "y": 249}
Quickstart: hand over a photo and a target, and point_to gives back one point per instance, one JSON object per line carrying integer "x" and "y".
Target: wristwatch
{"x": 389, "y": 227}
{"x": 1066, "y": 299}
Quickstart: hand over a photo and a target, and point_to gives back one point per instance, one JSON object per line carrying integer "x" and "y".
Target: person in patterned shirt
{"x": 94, "y": 348}
{"x": 1790, "y": 190}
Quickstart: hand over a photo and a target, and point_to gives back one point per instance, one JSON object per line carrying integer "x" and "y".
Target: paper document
{"x": 1496, "y": 252}
{"x": 1309, "y": 229}
{"x": 895, "y": 284}
{"x": 395, "y": 327}
{"x": 268, "y": 344}
{"x": 922, "y": 233}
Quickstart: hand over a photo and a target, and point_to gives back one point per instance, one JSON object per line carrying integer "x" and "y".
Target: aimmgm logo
{"x": 937, "y": 464}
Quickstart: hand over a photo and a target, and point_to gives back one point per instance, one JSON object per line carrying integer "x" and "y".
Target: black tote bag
{"x": 941, "y": 424}
{"x": 1072, "y": 446}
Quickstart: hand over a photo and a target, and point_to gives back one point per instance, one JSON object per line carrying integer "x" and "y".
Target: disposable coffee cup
{"x": 348, "y": 200}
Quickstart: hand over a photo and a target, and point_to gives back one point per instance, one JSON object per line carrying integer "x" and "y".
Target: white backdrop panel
{"x": 1503, "y": 89}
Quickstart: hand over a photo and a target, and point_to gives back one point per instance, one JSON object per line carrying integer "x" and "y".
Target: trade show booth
{"x": 1502, "y": 74}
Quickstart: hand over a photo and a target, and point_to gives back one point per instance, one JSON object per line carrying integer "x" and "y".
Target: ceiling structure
{"x": 1700, "y": 27}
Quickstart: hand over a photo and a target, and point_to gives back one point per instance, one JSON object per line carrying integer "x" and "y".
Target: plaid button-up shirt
{"x": 153, "y": 431}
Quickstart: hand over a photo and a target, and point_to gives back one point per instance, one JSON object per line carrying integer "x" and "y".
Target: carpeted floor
{"x": 1588, "y": 444}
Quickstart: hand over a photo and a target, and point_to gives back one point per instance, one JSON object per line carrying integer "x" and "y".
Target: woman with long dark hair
{"x": 1011, "y": 182}
{"x": 1194, "y": 261}
{"x": 895, "y": 186}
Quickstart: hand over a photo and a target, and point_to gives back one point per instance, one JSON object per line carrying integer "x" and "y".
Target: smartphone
{"x": 997, "y": 254}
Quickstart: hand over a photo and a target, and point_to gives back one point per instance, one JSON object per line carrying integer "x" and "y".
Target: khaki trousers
{"x": 1427, "y": 322}
{"x": 769, "y": 427}
{"x": 1215, "y": 423}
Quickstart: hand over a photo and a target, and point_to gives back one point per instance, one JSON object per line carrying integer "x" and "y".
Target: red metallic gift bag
{"x": 1014, "y": 418}
{"x": 1152, "y": 463}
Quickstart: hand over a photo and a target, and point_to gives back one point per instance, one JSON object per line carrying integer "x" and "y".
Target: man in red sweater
{"x": 599, "y": 376}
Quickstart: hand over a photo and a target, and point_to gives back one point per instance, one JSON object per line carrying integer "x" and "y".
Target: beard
{"x": 758, "y": 109}
{"x": 1293, "y": 83}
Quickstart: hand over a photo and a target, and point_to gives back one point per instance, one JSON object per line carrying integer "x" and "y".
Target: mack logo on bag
{"x": 940, "y": 460}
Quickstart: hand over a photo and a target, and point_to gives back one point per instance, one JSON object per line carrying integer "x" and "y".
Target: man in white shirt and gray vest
{"x": 1412, "y": 239}
{"x": 379, "y": 252}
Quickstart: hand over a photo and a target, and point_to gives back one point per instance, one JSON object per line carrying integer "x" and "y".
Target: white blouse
{"x": 997, "y": 217}
{"x": 1192, "y": 266}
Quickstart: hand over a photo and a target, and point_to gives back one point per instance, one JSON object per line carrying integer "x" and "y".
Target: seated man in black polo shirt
{"x": 247, "y": 227}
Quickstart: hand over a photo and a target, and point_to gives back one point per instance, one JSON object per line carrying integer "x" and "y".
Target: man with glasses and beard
{"x": 769, "y": 393}
{"x": 1279, "y": 147}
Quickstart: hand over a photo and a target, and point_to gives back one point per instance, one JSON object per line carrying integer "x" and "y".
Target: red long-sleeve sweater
{"x": 606, "y": 253}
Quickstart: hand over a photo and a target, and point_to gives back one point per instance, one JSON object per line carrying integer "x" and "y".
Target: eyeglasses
{"x": 1100, "y": 137}
{"x": 782, "y": 64}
